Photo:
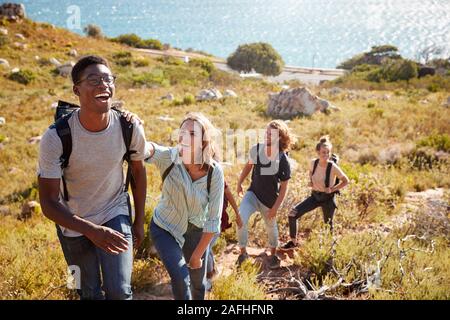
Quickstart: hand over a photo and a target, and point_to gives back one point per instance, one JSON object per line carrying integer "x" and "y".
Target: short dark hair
{"x": 83, "y": 63}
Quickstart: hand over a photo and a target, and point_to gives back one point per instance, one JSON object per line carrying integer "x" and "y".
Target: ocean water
{"x": 310, "y": 33}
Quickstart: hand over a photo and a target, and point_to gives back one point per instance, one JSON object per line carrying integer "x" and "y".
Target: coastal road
{"x": 303, "y": 74}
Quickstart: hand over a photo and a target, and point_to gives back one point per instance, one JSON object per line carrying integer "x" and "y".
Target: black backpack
{"x": 64, "y": 111}
{"x": 335, "y": 159}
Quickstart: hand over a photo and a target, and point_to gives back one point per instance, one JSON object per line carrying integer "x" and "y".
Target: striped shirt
{"x": 185, "y": 201}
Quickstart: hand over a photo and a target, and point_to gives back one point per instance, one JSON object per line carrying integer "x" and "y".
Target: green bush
{"x": 23, "y": 76}
{"x": 154, "y": 78}
{"x": 440, "y": 142}
{"x": 261, "y": 57}
{"x": 3, "y": 40}
{"x": 141, "y": 62}
{"x": 93, "y": 31}
{"x": 376, "y": 56}
{"x": 203, "y": 63}
{"x": 133, "y": 40}
{"x": 188, "y": 99}
{"x": 170, "y": 60}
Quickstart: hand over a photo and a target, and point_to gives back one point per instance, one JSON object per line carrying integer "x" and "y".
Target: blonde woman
{"x": 323, "y": 176}
{"x": 270, "y": 175}
{"x": 189, "y": 211}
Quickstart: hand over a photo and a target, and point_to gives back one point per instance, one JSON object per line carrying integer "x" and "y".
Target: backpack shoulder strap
{"x": 316, "y": 163}
{"x": 127, "y": 134}
{"x": 167, "y": 171}
{"x": 63, "y": 131}
{"x": 257, "y": 153}
{"x": 209, "y": 178}
{"x": 327, "y": 174}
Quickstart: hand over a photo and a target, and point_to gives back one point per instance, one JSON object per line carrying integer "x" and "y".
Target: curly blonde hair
{"x": 286, "y": 138}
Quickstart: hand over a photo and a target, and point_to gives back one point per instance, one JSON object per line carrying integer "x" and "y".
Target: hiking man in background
{"x": 85, "y": 194}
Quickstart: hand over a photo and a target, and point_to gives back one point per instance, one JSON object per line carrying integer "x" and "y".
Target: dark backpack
{"x": 64, "y": 111}
{"x": 208, "y": 178}
{"x": 335, "y": 159}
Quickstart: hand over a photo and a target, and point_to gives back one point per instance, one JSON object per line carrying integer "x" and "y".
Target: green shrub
{"x": 133, "y": 40}
{"x": 3, "y": 40}
{"x": 261, "y": 57}
{"x": 240, "y": 285}
{"x": 203, "y": 63}
{"x": 93, "y": 31}
{"x": 437, "y": 141}
{"x": 23, "y": 76}
{"x": 154, "y": 78}
{"x": 170, "y": 60}
{"x": 141, "y": 62}
{"x": 188, "y": 99}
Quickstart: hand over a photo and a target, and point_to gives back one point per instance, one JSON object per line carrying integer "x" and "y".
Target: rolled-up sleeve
{"x": 162, "y": 157}
{"x": 50, "y": 151}
{"x": 215, "y": 206}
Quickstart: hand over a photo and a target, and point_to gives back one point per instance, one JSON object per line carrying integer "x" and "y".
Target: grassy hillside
{"x": 390, "y": 142}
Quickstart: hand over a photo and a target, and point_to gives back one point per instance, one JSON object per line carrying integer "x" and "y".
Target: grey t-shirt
{"x": 94, "y": 177}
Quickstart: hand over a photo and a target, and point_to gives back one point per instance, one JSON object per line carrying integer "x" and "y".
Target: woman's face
{"x": 324, "y": 153}
{"x": 271, "y": 136}
{"x": 190, "y": 142}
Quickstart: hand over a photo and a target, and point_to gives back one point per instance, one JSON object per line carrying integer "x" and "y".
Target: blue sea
{"x": 309, "y": 33}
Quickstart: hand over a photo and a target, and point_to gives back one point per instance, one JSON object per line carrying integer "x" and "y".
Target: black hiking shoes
{"x": 274, "y": 262}
{"x": 289, "y": 245}
{"x": 242, "y": 257}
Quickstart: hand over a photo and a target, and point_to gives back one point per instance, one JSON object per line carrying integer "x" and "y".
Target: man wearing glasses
{"x": 93, "y": 222}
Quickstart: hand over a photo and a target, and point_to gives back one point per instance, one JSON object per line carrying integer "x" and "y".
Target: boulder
{"x": 12, "y": 11}
{"x": 296, "y": 101}
{"x": 335, "y": 91}
{"x": 65, "y": 69}
{"x": 20, "y": 36}
{"x": 5, "y": 211}
{"x": 73, "y": 53}
{"x": 447, "y": 104}
{"x": 4, "y": 31}
{"x": 35, "y": 140}
{"x": 29, "y": 208}
{"x": 169, "y": 97}
{"x": 4, "y": 63}
{"x": 230, "y": 93}
{"x": 19, "y": 45}
{"x": 209, "y": 94}
{"x": 2, "y": 121}
{"x": 54, "y": 62}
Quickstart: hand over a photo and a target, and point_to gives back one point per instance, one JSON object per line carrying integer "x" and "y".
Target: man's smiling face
{"x": 96, "y": 88}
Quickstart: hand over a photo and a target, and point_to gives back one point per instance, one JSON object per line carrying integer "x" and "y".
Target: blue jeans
{"x": 211, "y": 261}
{"x": 187, "y": 284}
{"x": 249, "y": 205}
{"x": 95, "y": 264}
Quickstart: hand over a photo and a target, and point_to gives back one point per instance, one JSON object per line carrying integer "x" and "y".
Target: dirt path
{"x": 430, "y": 202}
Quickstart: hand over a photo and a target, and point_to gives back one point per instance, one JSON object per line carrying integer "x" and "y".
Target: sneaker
{"x": 242, "y": 257}
{"x": 289, "y": 245}
{"x": 212, "y": 274}
{"x": 274, "y": 262}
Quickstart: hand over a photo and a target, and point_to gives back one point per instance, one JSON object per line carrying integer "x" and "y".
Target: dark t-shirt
{"x": 267, "y": 174}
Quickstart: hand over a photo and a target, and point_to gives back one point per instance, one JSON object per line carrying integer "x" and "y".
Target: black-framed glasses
{"x": 95, "y": 79}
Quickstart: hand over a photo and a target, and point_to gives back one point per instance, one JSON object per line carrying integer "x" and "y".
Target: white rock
{"x": 335, "y": 91}
{"x": 20, "y": 36}
{"x": 230, "y": 93}
{"x": 29, "y": 208}
{"x": 19, "y": 45}
{"x": 296, "y": 101}
{"x": 65, "y": 69}
{"x": 4, "y": 62}
{"x": 4, "y": 31}
{"x": 447, "y": 104}
{"x": 55, "y": 62}
{"x": 169, "y": 97}
{"x": 165, "y": 118}
{"x": 209, "y": 94}
{"x": 73, "y": 53}
{"x": 2, "y": 121}
{"x": 15, "y": 70}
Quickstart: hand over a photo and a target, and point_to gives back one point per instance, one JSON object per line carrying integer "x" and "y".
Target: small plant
{"x": 22, "y": 76}
{"x": 93, "y": 31}
{"x": 188, "y": 99}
